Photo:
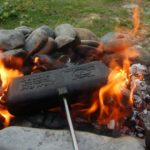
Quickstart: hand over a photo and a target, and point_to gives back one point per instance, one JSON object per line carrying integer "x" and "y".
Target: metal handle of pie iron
{"x": 63, "y": 92}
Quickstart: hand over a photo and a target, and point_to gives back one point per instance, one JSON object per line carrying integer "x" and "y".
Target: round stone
{"x": 65, "y": 30}
{"x": 11, "y": 39}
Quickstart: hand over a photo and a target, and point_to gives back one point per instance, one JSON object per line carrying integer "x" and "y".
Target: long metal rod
{"x": 72, "y": 131}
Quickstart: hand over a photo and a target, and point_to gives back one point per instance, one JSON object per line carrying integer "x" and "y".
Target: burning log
{"x": 40, "y": 91}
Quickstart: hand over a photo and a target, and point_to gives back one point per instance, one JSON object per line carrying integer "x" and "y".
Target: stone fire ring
{"x": 22, "y": 138}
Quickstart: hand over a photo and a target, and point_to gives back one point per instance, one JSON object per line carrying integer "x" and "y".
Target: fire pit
{"x": 103, "y": 80}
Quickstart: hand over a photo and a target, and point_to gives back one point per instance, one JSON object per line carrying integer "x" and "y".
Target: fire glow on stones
{"x": 111, "y": 102}
{"x": 118, "y": 79}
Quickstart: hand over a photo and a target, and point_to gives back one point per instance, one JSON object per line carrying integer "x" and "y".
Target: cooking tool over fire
{"x": 46, "y": 90}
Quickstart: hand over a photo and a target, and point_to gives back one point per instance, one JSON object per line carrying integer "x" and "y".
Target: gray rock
{"x": 65, "y": 29}
{"x": 36, "y": 41}
{"x": 49, "y": 47}
{"x": 90, "y": 43}
{"x": 114, "y": 41}
{"x": 84, "y": 50}
{"x": 86, "y": 34}
{"x": 85, "y": 54}
{"x": 143, "y": 55}
{"x": 50, "y": 32}
{"x": 11, "y": 39}
{"x": 14, "y": 58}
{"x": 25, "y": 30}
{"x": 14, "y": 53}
{"x": 21, "y": 138}
{"x": 63, "y": 40}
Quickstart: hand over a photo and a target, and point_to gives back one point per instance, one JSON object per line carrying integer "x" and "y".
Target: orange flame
{"x": 7, "y": 117}
{"x": 136, "y": 20}
{"x": 113, "y": 103}
{"x": 110, "y": 96}
{"x": 6, "y": 76}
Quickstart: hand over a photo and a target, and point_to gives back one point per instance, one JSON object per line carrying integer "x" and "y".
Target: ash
{"x": 135, "y": 125}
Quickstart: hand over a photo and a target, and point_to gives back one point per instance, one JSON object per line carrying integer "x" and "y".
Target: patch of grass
{"x": 100, "y": 16}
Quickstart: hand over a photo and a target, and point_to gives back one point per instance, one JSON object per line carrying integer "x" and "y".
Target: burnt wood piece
{"x": 146, "y": 119}
{"x": 40, "y": 91}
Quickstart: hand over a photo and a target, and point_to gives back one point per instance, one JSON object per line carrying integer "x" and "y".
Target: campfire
{"x": 104, "y": 83}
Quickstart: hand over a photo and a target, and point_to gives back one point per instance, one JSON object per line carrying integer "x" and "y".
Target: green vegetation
{"x": 100, "y": 16}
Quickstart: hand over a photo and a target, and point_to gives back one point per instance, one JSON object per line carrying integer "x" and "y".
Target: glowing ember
{"x": 36, "y": 62}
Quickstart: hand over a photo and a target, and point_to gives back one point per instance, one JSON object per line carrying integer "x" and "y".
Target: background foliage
{"x": 100, "y": 16}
